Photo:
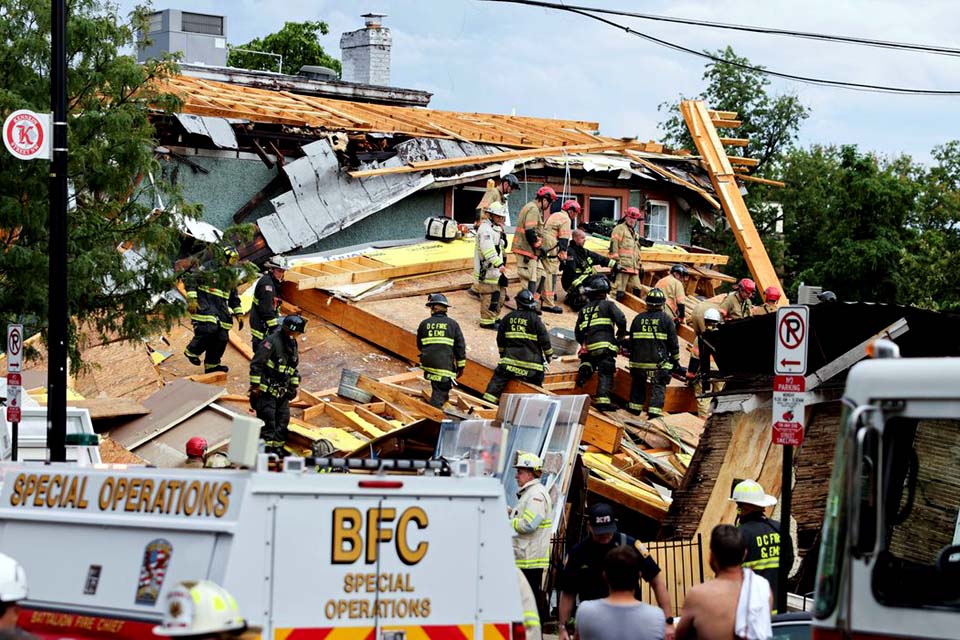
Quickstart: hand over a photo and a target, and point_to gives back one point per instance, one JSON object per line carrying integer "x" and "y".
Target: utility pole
{"x": 57, "y": 316}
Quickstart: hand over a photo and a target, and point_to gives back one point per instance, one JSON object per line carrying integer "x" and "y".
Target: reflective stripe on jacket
{"x": 214, "y": 305}
{"x": 442, "y": 347}
{"x": 625, "y": 248}
{"x": 653, "y": 341}
{"x": 530, "y": 218}
{"x": 263, "y": 314}
{"x": 490, "y": 252}
{"x": 531, "y": 520}
{"x": 600, "y": 326}
{"x": 523, "y": 340}
{"x": 274, "y": 365}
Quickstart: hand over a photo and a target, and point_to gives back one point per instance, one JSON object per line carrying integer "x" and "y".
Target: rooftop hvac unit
{"x": 808, "y": 295}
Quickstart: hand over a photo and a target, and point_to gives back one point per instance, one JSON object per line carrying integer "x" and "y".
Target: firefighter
{"x": 737, "y": 303}
{"x": 771, "y": 295}
{"x": 212, "y": 310}
{"x": 673, "y": 286}
{"x": 443, "y": 352}
{"x": 528, "y": 239}
{"x": 489, "y": 265}
{"x": 196, "y": 450}
{"x": 600, "y": 328}
{"x": 760, "y": 534}
{"x": 625, "y": 249}
{"x": 495, "y": 194}
{"x": 275, "y": 380}
{"x": 13, "y": 589}
{"x": 654, "y": 355}
{"x": 706, "y": 320}
{"x": 531, "y": 519}
{"x": 202, "y": 610}
{"x": 524, "y": 346}
{"x": 556, "y": 240}
{"x": 264, "y": 317}
{"x": 579, "y": 266}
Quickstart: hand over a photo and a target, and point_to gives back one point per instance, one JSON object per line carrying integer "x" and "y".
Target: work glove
{"x": 625, "y": 349}
{"x": 254, "y": 395}
{"x": 290, "y": 394}
{"x": 678, "y": 372}
{"x": 459, "y": 371}
{"x": 239, "y": 322}
{"x": 677, "y": 321}
{"x": 192, "y": 307}
{"x": 503, "y": 281}
{"x": 691, "y": 377}
{"x": 615, "y": 269}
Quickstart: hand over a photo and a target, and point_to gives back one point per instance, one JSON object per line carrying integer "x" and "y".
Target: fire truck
{"x": 307, "y": 555}
{"x": 889, "y": 563}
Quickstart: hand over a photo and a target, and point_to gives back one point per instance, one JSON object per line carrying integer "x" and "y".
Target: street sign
{"x": 14, "y": 347}
{"x": 14, "y": 399}
{"x": 788, "y": 404}
{"x": 27, "y": 135}
{"x": 791, "y": 340}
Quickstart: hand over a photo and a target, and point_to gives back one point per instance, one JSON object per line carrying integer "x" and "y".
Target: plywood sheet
{"x": 169, "y": 448}
{"x": 169, "y": 406}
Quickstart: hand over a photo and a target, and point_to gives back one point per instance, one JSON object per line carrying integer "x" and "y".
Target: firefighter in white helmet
{"x": 202, "y": 609}
{"x": 760, "y": 534}
{"x": 13, "y": 589}
{"x": 531, "y": 520}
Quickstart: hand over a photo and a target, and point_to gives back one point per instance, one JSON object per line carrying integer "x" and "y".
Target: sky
{"x": 502, "y": 58}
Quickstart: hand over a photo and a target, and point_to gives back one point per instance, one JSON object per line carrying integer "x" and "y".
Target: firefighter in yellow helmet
{"x": 202, "y": 609}
{"x": 760, "y": 534}
{"x": 531, "y": 521}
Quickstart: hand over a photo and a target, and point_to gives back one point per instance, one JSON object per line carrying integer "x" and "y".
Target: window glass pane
{"x": 921, "y": 500}
{"x": 658, "y": 221}
{"x": 601, "y": 208}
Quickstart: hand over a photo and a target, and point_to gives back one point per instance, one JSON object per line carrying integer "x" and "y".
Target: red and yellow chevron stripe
{"x": 415, "y": 632}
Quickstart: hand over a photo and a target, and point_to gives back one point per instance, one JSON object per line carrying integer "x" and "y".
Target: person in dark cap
{"x": 582, "y": 575}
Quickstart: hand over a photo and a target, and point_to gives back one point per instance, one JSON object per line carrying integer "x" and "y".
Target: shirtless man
{"x": 710, "y": 609}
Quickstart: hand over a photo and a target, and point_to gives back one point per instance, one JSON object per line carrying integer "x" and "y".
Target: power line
{"x": 856, "y": 86}
{"x": 870, "y": 42}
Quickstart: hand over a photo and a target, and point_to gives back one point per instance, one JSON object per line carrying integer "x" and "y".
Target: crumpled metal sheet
{"x": 218, "y": 130}
{"x": 324, "y": 199}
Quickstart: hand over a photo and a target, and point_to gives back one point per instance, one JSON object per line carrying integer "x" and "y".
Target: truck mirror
{"x": 864, "y": 483}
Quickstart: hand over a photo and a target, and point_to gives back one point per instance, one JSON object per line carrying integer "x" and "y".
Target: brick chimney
{"x": 365, "y": 53}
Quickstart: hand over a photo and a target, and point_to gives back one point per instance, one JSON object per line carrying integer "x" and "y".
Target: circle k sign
{"x": 27, "y": 135}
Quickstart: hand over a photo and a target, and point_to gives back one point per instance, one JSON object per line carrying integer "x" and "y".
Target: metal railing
{"x": 681, "y": 563}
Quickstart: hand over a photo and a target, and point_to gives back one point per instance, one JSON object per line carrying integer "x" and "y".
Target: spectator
{"x": 620, "y": 616}
{"x": 710, "y": 611}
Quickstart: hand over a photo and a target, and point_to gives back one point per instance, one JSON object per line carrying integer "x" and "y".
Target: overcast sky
{"x": 488, "y": 57}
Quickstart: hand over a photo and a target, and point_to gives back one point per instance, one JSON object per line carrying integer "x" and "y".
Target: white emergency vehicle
{"x": 889, "y": 562}
{"x": 307, "y": 555}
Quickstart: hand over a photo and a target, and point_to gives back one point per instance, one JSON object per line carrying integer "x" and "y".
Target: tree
{"x": 112, "y": 166}
{"x": 931, "y": 256}
{"x": 297, "y": 42}
{"x": 846, "y": 217}
{"x": 770, "y": 123}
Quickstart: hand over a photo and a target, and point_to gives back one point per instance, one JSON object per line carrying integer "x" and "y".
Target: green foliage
{"x": 297, "y": 42}
{"x": 111, "y": 161}
{"x": 771, "y": 123}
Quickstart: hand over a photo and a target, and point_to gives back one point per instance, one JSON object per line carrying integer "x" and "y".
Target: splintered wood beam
{"x": 669, "y": 176}
{"x": 612, "y": 492}
{"x": 327, "y": 281}
{"x": 772, "y": 183}
{"x": 598, "y": 430}
{"x": 735, "y": 142}
{"x": 731, "y": 124}
{"x": 720, "y": 169}
{"x": 541, "y": 152}
{"x": 722, "y": 115}
{"x": 746, "y": 162}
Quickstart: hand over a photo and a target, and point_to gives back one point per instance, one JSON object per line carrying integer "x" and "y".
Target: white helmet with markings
{"x": 199, "y": 608}
{"x": 750, "y": 492}
{"x": 13, "y": 580}
{"x": 527, "y": 460}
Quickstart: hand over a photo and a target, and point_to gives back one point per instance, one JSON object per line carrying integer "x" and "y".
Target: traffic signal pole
{"x": 57, "y": 316}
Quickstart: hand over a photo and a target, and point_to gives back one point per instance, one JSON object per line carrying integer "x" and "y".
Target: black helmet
{"x": 655, "y": 298}
{"x": 679, "y": 269}
{"x": 597, "y": 286}
{"x": 437, "y": 298}
{"x": 294, "y": 323}
{"x": 525, "y": 300}
{"x": 511, "y": 180}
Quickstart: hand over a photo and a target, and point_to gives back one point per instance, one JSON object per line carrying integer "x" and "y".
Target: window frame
{"x": 648, "y": 220}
